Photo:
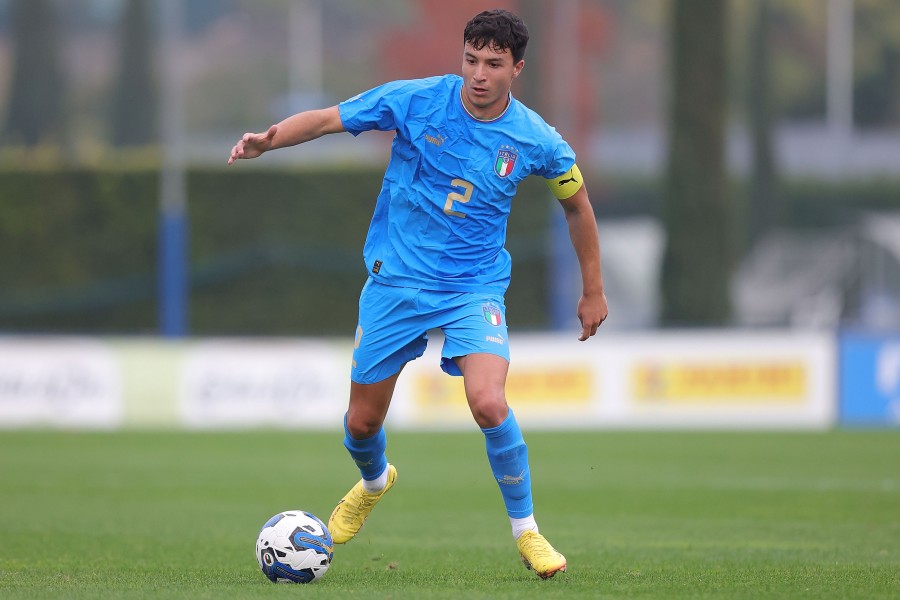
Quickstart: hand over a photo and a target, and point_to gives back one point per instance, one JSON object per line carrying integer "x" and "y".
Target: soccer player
{"x": 436, "y": 259}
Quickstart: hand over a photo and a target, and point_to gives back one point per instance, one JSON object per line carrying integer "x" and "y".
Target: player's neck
{"x": 485, "y": 116}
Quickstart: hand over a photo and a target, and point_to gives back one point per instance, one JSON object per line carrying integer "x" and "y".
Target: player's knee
{"x": 488, "y": 409}
{"x": 361, "y": 425}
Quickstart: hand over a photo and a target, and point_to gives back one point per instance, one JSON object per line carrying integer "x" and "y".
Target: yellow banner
{"x": 710, "y": 383}
{"x": 550, "y": 386}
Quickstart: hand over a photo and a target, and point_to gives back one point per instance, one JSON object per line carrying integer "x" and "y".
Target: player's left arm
{"x": 572, "y": 194}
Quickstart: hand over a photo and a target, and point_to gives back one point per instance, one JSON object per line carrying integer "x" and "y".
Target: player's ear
{"x": 517, "y": 68}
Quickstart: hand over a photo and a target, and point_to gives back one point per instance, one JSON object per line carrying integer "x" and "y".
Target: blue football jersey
{"x": 440, "y": 218}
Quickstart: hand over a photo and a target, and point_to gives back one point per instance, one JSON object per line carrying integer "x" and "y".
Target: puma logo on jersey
{"x": 437, "y": 140}
{"x": 563, "y": 182}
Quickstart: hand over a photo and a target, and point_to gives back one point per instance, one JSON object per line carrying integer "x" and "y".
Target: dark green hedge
{"x": 272, "y": 252}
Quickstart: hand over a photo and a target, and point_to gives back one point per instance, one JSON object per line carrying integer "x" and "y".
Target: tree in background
{"x": 35, "y": 112}
{"x": 697, "y": 260}
{"x": 134, "y": 103}
{"x": 876, "y": 42}
{"x": 763, "y": 210}
{"x": 530, "y": 87}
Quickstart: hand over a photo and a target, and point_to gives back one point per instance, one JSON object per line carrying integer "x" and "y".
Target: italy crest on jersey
{"x": 506, "y": 160}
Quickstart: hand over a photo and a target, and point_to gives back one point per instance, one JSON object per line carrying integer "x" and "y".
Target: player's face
{"x": 487, "y": 77}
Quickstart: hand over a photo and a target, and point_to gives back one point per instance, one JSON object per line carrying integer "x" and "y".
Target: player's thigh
{"x": 484, "y": 379}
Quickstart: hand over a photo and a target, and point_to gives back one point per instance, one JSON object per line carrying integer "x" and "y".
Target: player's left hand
{"x": 592, "y": 311}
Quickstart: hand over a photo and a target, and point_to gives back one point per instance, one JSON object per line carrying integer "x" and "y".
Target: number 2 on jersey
{"x": 463, "y": 198}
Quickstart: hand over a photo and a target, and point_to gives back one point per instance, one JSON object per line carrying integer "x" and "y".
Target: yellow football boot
{"x": 351, "y": 512}
{"x": 539, "y": 555}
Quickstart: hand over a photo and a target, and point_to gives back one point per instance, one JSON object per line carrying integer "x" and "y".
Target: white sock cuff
{"x": 376, "y": 485}
{"x": 520, "y": 526}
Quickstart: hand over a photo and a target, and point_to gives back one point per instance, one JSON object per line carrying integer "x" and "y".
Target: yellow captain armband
{"x": 566, "y": 184}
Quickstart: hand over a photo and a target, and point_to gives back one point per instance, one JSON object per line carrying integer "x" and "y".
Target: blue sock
{"x": 368, "y": 454}
{"x": 508, "y": 456}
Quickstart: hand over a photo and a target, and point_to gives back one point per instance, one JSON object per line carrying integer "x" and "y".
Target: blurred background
{"x": 743, "y": 158}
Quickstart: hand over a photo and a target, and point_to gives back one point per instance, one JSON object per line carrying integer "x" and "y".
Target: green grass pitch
{"x": 638, "y": 515}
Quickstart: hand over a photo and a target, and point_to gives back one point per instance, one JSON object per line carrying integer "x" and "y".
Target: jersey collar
{"x": 509, "y": 102}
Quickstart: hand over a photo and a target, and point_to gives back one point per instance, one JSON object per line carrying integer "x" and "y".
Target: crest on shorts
{"x": 492, "y": 314}
{"x": 506, "y": 160}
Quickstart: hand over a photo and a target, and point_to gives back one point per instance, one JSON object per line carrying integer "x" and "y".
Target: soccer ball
{"x": 294, "y": 546}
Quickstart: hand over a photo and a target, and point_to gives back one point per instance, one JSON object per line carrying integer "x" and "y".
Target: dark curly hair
{"x": 498, "y": 29}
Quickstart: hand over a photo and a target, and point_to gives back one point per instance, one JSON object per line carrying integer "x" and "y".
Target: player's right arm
{"x": 296, "y": 129}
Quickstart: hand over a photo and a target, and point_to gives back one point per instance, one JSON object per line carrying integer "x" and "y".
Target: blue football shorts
{"x": 394, "y": 323}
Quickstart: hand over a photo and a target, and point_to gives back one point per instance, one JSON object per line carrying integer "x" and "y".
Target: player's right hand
{"x": 592, "y": 311}
{"x": 252, "y": 145}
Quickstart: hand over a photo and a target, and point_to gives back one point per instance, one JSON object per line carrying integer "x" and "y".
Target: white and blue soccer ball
{"x": 294, "y": 547}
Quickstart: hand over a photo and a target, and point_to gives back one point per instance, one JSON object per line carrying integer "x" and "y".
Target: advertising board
{"x": 869, "y": 379}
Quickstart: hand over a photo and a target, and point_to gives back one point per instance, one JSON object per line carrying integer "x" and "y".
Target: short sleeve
{"x": 560, "y": 159}
{"x": 381, "y": 108}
